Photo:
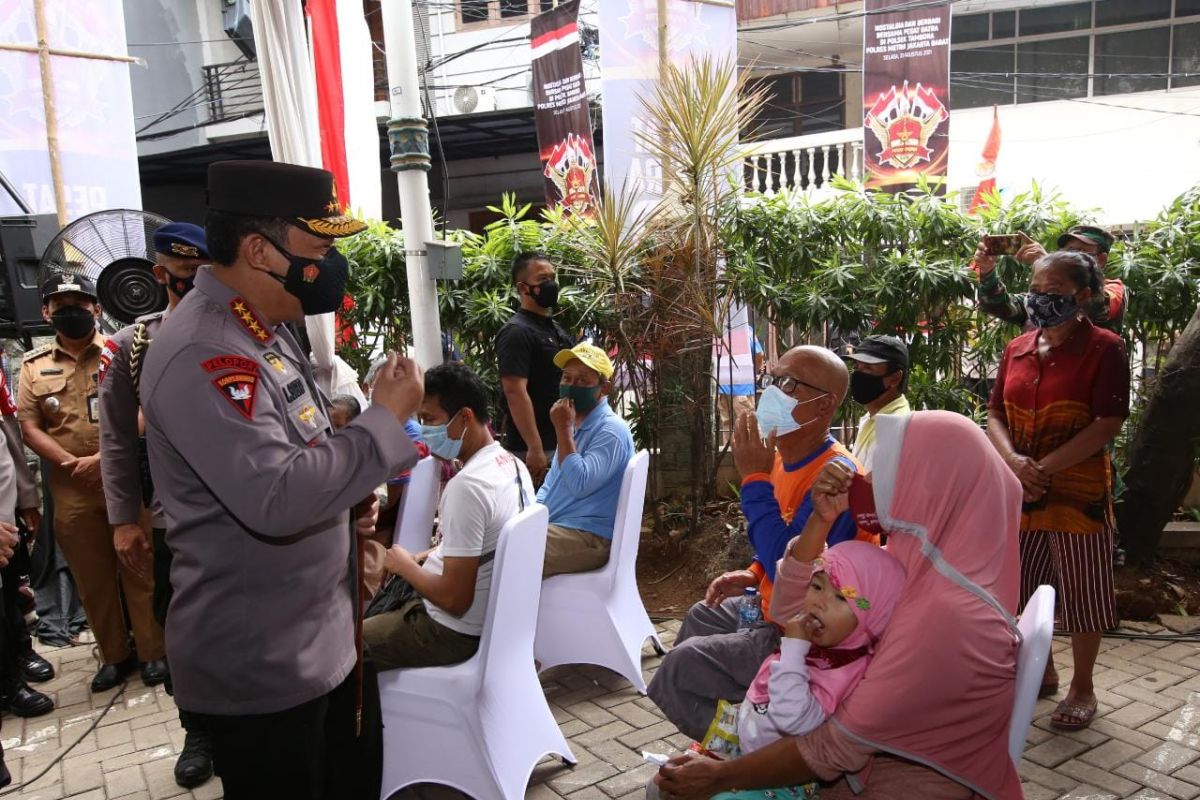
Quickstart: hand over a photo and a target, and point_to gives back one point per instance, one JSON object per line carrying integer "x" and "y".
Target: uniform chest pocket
{"x": 49, "y": 391}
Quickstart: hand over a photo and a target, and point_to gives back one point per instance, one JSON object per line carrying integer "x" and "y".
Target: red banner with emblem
{"x": 906, "y": 94}
{"x": 561, "y": 111}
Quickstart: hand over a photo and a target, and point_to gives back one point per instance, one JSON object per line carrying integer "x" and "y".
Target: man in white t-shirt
{"x": 442, "y": 625}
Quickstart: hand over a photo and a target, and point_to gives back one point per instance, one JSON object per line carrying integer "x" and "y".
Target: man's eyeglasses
{"x": 786, "y": 383}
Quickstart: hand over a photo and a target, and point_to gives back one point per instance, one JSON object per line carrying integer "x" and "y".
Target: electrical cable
{"x": 58, "y": 758}
{"x": 423, "y": 73}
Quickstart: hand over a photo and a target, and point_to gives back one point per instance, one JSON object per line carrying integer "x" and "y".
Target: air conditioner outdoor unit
{"x": 473, "y": 100}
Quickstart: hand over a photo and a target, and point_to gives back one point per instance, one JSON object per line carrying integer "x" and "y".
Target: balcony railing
{"x": 804, "y": 162}
{"x": 232, "y": 90}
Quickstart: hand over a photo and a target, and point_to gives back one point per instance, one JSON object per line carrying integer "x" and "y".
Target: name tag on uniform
{"x": 52, "y": 371}
{"x": 293, "y": 390}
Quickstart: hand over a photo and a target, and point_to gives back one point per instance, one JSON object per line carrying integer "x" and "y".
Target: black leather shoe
{"x": 5, "y": 775}
{"x": 34, "y": 668}
{"x": 25, "y": 702}
{"x": 155, "y": 672}
{"x": 111, "y": 676}
{"x": 194, "y": 765}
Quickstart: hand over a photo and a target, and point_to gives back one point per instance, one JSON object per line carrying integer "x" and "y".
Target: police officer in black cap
{"x": 259, "y": 490}
{"x": 180, "y": 249}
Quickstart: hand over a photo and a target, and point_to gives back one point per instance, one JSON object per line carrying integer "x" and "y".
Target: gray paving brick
{"x": 1168, "y": 757}
{"x": 582, "y": 777}
{"x": 1088, "y": 793}
{"x": 1134, "y": 715}
{"x": 1095, "y": 776}
{"x": 627, "y": 782}
{"x": 1111, "y": 754}
{"x": 1055, "y": 751}
{"x": 1156, "y": 780}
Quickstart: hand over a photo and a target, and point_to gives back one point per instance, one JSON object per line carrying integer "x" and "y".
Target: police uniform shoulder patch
{"x": 230, "y": 362}
{"x": 239, "y": 389}
{"x": 244, "y": 314}
{"x": 276, "y": 361}
{"x": 107, "y": 352}
{"x": 38, "y": 352}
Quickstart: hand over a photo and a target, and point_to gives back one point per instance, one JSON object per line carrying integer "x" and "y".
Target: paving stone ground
{"x": 1144, "y": 744}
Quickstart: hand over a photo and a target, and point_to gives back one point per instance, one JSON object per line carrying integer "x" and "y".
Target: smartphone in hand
{"x": 1004, "y": 244}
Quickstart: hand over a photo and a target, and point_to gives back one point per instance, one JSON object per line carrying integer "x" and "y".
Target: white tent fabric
{"x": 290, "y": 101}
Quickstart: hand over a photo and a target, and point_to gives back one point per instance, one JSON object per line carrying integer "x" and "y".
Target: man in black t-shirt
{"x": 526, "y": 347}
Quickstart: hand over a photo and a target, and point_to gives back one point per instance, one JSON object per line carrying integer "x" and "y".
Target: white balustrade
{"x": 807, "y": 163}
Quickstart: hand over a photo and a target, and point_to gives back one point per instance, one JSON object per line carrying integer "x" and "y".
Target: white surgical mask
{"x": 775, "y": 410}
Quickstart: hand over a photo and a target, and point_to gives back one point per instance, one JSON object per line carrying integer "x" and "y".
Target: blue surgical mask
{"x": 774, "y": 412}
{"x": 439, "y": 442}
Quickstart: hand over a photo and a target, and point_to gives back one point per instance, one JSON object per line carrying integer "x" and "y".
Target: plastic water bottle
{"x": 749, "y": 610}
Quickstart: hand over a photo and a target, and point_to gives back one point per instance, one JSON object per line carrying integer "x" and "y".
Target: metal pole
{"x": 56, "y": 178}
{"x": 408, "y": 135}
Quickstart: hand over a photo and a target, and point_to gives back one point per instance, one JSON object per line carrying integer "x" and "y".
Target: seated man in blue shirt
{"x": 594, "y": 447}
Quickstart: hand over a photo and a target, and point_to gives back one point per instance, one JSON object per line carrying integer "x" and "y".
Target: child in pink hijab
{"x": 829, "y": 639}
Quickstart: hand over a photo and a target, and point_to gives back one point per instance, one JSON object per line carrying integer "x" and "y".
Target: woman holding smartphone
{"x": 1061, "y": 396}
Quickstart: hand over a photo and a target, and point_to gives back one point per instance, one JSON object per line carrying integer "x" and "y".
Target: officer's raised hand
{"x": 399, "y": 387}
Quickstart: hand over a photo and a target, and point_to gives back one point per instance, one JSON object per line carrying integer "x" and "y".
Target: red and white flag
{"x": 987, "y": 166}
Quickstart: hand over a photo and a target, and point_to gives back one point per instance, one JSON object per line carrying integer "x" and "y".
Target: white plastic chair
{"x": 598, "y": 617}
{"x": 482, "y": 725}
{"x": 1037, "y": 629}
{"x": 418, "y": 505}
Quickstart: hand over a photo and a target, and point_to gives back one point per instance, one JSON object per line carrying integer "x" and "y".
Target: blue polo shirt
{"x": 581, "y": 492}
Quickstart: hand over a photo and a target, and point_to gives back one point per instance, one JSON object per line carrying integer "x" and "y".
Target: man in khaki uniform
{"x": 59, "y": 409}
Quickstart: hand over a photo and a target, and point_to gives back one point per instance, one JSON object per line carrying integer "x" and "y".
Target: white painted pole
{"x": 409, "y": 138}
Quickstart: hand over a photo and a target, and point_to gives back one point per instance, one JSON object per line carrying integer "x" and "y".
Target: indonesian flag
{"x": 987, "y": 166}
{"x": 556, "y": 39}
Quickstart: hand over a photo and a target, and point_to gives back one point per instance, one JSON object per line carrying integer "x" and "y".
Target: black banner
{"x": 906, "y": 95}
{"x": 561, "y": 114}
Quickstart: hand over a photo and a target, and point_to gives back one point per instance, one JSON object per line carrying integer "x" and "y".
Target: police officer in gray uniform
{"x": 259, "y": 490}
{"x": 180, "y": 250}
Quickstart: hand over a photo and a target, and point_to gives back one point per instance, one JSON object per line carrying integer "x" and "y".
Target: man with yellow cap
{"x": 594, "y": 447}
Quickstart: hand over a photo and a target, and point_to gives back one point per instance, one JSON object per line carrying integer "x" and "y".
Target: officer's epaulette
{"x": 150, "y": 317}
{"x": 38, "y": 351}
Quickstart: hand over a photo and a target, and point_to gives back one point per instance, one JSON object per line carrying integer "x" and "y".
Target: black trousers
{"x": 14, "y": 633}
{"x": 309, "y": 752}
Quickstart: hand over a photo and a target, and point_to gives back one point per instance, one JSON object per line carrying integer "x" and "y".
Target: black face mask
{"x": 545, "y": 294}
{"x": 320, "y": 284}
{"x": 865, "y": 388}
{"x": 73, "y": 322}
{"x": 179, "y": 286}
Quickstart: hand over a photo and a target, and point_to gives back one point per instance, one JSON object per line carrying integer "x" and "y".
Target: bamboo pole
{"x": 56, "y": 178}
{"x": 59, "y": 51}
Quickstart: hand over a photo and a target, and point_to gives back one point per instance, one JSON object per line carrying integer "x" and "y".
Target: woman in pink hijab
{"x": 930, "y": 716}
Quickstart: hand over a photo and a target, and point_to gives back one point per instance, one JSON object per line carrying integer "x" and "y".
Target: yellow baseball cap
{"x": 590, "y": 355}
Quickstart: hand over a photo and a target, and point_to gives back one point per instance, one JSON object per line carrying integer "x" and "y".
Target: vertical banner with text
{"x": 96, "y": 147}
{"x": 906, "y": 95}
{"x": 561, "y": 113}
{"x": 629, "y": 66}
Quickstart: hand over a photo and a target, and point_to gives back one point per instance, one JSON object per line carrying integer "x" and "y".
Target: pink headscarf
{"x": 940, "y": 688}
{"x": 871, "y": 580}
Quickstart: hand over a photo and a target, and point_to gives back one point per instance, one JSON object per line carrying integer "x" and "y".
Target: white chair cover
{"x": 1037, "y": 629}
{"x": 598, "y": 617}
{"x": 480, "y": 726}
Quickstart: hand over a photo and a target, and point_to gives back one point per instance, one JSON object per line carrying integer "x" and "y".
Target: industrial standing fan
{"x": 114, "y": 248}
